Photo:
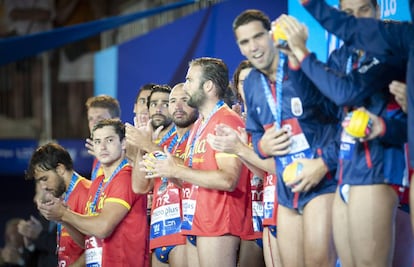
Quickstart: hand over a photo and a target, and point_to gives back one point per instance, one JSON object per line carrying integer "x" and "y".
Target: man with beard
{"x": 52, "y": 169}
{"x": 159, "y": 127}
{"x": 114, "y": 227}
{"x": 166, "y": 242}
{"x": 216, "y": 189}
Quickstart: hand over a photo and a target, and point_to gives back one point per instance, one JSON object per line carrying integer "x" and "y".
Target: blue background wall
{"x": 162, "y": 55}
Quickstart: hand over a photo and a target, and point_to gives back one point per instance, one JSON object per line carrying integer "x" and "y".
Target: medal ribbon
{"x": 98, "y": 192}
{"x": 166, "y": 136}
{"x": 74, "y": 180}
{"x": 275, "y": 108}
{"x": 200, "y": 129}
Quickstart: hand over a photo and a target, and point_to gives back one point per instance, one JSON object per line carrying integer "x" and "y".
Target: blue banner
{"x": 162, "y": 55}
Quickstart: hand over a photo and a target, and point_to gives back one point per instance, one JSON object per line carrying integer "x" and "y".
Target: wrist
{"x": 260, "y": 148}
{"x": 64, "y": 214}
{"x": 300, "y": 53}
{"x": 241, "y": 149}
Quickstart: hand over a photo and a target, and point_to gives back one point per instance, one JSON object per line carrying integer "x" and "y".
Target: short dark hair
{"x": 117, "y": 124}
{"x": 215, "y": 70}
{"x": 244, "y": 64}
{"x": 105, "y": 101}
{"x": 159, "y": 88}
{"x": 250, "y": 15}
{"x": 47, "y": 157}
{"x": 145, "y": 87}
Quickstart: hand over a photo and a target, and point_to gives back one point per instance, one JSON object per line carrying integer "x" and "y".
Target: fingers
{"x": 141, "y": 120}
{"x": 136, "y": 122}
{"x": 399, "y": 90}
{"x": 302, "y": 186}
{"x": 89, "y": 146}
{"x": 218, "y": 143}
{"x": 157, "y": 132}
{"x": 275, "y": 142}
{"x": 149, "y": 125}
{"x": 211, "y": 142}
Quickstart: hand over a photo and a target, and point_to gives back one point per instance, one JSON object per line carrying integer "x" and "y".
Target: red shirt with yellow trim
{"x": 128, "y": 243}
{"x": 69, "y": 251}
{"x": 217, "y": 212}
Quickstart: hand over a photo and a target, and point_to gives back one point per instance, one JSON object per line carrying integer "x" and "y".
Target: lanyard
{"x": 73, "y": 182}
{"x": 173, "y": 145}
{"x": 201, "y": 126}
{"x": 98, "y": 192}
{"x": 353, "y": 62}
{"x": 166, "y": 136}
{"x": 276, "y": 109}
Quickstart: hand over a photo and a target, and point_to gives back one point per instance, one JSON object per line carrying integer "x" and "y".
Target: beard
{"x": 187, "y": 120}
{"x": 166, "y": 121}
{"x": 197, "y": 99}
{"x": 61, "y": 188}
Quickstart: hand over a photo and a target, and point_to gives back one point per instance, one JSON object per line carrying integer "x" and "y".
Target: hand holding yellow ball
{"x": 278, "y": 33}
{"x": 291, "y": 171}
{"x": 357, "y": 124}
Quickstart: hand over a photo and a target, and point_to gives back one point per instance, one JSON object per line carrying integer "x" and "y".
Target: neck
{"x": 108, "y": 169}
{"x": 271, "y": 71}
{"x": 182, "y": 131}
{"x": 208, "y": 107}
{"x": 166, "y": 130}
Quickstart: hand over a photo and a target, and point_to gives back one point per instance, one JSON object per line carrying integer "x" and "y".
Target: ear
{"x": 60, "y": 169}
{"x": 208, "y": 86}
{"x": 123, "y": 143}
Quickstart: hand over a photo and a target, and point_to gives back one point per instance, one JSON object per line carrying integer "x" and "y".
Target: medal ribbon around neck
{"x": 98, "y": 192}
{"x": 166, "y": 136}
{"x": 275, "y": 108}
{"x": 200, "y": 129}
{"x": 173, "y": 147}
{"x": 74, "y": 180}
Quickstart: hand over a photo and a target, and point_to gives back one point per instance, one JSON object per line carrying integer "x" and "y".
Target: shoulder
{"x": 228, "y": 116}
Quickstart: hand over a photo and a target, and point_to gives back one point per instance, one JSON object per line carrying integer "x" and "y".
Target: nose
{"x": 252, "y": 45}
{"x": 179, "y": 105}
{"x": 43, "y": 185}
{"x": 159, "y": 107}
{"x": 102, "y": 145}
